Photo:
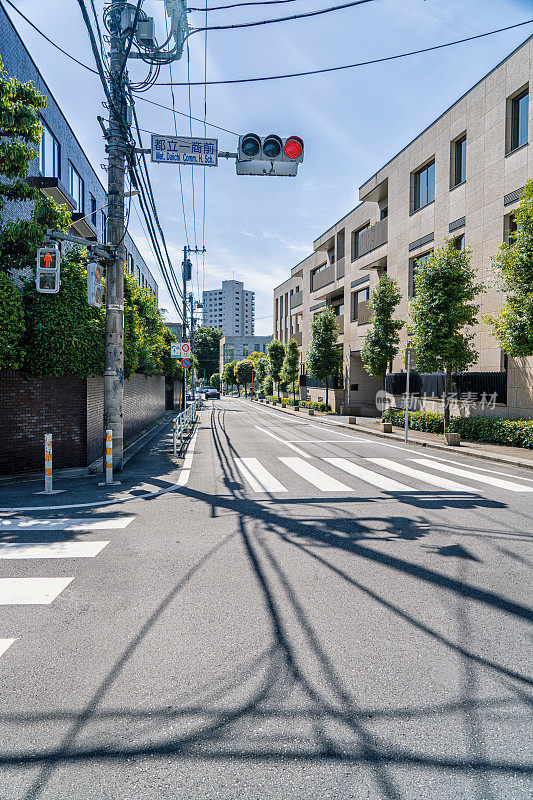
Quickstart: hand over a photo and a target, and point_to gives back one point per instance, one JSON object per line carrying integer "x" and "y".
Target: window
{"x": 414, "y": 264}
{"x": 331, "y": 256}
{"x": 519, "y": 119}
{"x": 104, "y": 227}
{"x": 93, "y": 210}
{"x": 384, "y": 213}
{"x": 360, "y": 296}
{"x": 459, "y": 242}
{"x": 355, "y": 240}
{"x": 510, "y": 229}
{"x": 76, "y": 188}
{"x": 340, "y": 245}
{"x": 319, "y": 269}
{"x": 458, "y": 161}
{"x": 424, "y": 186}
{"x": 49, "y": 153}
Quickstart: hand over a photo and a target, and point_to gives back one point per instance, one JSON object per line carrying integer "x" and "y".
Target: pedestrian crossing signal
{"x": 94, "y": 284}
{"x": 47, "y": 279}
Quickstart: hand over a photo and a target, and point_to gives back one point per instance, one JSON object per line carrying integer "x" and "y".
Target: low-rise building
{"x": 459, "y": 178}
{"x": 235, "y": 348}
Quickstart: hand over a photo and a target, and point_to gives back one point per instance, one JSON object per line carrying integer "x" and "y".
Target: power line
{"x": 284, "y": 19}
{"x": 35, "y": 28}
{"x": 358, "y": 64}
{"x": 205, "y": 133}
{"x": 239, "y": 5}
{"x": 182, "y": 113}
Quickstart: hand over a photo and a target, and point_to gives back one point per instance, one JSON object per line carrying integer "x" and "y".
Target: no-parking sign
{"x": 185, "y": 363}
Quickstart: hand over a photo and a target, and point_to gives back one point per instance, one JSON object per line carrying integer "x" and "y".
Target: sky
{"x": 352, "y": 122}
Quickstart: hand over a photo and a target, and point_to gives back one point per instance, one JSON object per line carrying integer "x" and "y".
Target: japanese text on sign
{"x": 184, "y": 150}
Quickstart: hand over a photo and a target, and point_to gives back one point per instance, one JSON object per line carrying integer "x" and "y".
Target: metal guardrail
{"x": 184, "y": 422}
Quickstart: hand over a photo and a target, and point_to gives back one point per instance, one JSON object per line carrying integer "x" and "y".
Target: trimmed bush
{"x": 510, "y": 432}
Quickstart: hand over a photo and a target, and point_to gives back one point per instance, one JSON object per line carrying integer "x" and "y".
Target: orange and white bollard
{"x": 48, "y": 463}
{"x": 109, "y": 456}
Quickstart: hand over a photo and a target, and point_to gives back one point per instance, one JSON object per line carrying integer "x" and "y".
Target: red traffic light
{"x": 293, "y": 147}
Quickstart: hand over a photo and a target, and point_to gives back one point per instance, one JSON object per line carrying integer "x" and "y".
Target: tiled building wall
{"x": 144, "y": 403}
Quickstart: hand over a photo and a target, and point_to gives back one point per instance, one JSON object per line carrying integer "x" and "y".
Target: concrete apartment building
{"x": 62, "y": 170}
{"x": 461, "y": 177}
{"x": 230, "y": 309}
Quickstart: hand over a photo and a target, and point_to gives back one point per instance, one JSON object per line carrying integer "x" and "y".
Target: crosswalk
{"x": 418, "y": 475}
{"x": 31, "y": 539}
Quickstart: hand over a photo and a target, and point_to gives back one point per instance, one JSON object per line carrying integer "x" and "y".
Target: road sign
{"x": 185, "y": 363}
{"x": 94, "y": 284}
{"x": 184, "y": 150}
{"x": 180, "y": 349}
{"x": 185, "y": 349}
{"x": 175, "y": 350}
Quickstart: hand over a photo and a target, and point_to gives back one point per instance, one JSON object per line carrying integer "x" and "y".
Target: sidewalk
{"x": 516, "y": 456}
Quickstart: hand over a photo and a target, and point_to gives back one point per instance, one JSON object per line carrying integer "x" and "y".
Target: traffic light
{"x": 94, "y": 284}
{"x": 47, "y": 279}
{"x": 269, "y": 155}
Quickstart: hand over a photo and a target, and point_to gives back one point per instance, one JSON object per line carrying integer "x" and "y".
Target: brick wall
{"x": 71, "y": 409}
{"x": 31, "y": 408}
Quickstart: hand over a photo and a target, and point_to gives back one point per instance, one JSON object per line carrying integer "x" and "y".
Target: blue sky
{"x": 352, "y": 122}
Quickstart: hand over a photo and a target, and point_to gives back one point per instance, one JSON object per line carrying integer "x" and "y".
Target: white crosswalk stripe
{"x": 369, "y": 476}
{"x": 425, "y": 477}
{"x": 308, "y": 472}
{"x": 259, "y": 478}
{"x": 5, "y": 644}
{"x": 64, "y": 524}
{"x": 11, "y": 550}
{"x": 475, "y": 476}
{"x": 31, "y": 591}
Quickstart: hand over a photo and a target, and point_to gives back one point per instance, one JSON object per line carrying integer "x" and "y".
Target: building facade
{"x": 230, "y": 309}
{"x": 62, "y": 170}
{"x": 460, "y": 178}
{"x": 235, "y": 348}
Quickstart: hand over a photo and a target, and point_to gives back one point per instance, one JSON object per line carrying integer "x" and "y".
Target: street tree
{"x": 228, "y": 375}
{"x": 324, "y": 356}
{"x": 207, "y": 350}
{"x": 442, "y": 312}
{"x": 512, "y": 325}
{"x": 244, "y": 373}
{"x": 383, "y": 337}
{"x": 276, "y": 355}
{"x": 214, "y": 381}
{"x": 291, "y": 366}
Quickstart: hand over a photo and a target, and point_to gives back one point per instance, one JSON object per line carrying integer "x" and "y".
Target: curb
{"x": 498, "y": 458}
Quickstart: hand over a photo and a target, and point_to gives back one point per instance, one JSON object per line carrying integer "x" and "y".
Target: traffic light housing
{"x": 47, "y": 278}
{"x": 269, "y": 155}
{"x": 94, "y": 284}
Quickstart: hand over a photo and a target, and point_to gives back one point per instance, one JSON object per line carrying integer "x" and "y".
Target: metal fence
{"x": 431, "y": 384}
{"x": 184, "y": 423}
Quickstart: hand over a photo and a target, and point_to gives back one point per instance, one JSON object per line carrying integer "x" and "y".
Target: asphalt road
{"x": 303, "y": 613}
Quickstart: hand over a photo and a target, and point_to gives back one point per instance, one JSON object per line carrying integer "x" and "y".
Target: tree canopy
{"x": 207, "y": 350}
{"x": 290, "y": 371}
{"x": 383, "y": 338}
{"x": 276, "y": 354}
{"x": 324, "y": 356}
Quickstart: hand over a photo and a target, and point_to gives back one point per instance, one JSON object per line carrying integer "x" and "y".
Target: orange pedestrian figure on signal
{"x": 48, "y": 260}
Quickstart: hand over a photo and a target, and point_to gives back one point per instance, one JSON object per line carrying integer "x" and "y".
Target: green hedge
{"x": 302, "y": 403}
{"x": 511, "y": 432}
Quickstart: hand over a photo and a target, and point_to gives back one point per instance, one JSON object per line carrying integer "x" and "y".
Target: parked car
{"x": 212, "y": 394}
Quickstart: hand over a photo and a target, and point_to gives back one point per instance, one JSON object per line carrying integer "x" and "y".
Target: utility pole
{"x": 114, "y": 323}
{"x": 191, "y": 301}
{"x": 186, "y": 268}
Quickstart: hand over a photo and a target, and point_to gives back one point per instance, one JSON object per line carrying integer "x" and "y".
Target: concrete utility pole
{"x": 186, "y": 271}
{"x": 114, "y": 324}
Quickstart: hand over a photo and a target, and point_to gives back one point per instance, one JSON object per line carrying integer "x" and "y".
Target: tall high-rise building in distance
{"x": 230, "y": 309}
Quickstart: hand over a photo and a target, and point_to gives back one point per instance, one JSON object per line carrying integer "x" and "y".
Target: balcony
{"x": 364, "y": 313}
{"x": 323, "y": 277}
{"x": 297, "y": 299}
{"x": 298, "y": 338}
{"x": 340, "y": 268}
{"x": 83, "y": 226}
{"x": 373, "y": 237}
{"x": 340, "y": 325}
{"x": 53, "y": 188}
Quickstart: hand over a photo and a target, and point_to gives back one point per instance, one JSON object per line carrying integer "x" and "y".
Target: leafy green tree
{"x": 214, "y": 381}
{"x": 512, "y": 325}
{"x": 260, "y": 368}
{"x": 324, "y": 357}
{"x": 276, "y": 355}
{"x": 244, "y": 373}
{"x": 383, "y": 338}
{"x": 11, "y": 324}
{"x": 64, "y": 335}
{"x": 207, "y": 350}
{"x": 228, "y": 374}
{"x": 172, "y": 368}
{"x": 291, "y": 365}
{"x": 442, "y": 312}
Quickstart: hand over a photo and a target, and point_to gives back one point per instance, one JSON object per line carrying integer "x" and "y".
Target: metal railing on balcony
{"x": 340, "y": 268}
{"x": 373, "y": 237}
{"x": 323, "y": 277}
{"x": 364, "y": 313}
{"x": 297, "y": 299}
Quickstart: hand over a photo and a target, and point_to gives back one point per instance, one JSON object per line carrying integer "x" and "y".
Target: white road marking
{"x": 315, "y": 476}
{"x": 187, "y": 461}
{"x": 367, "y": 475}
{"x": 258, "y": 477}
{"x": 31, "y": 591}
{"x": 425, "y": 477}
{"x": 283, "y": 441}
{"x": 5, "y": 644}
{"x": 9, "y": 550}
{"x": 490, "y": 479}
{"x": 64, "y": 524}
{"x": 326, "y": 441}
